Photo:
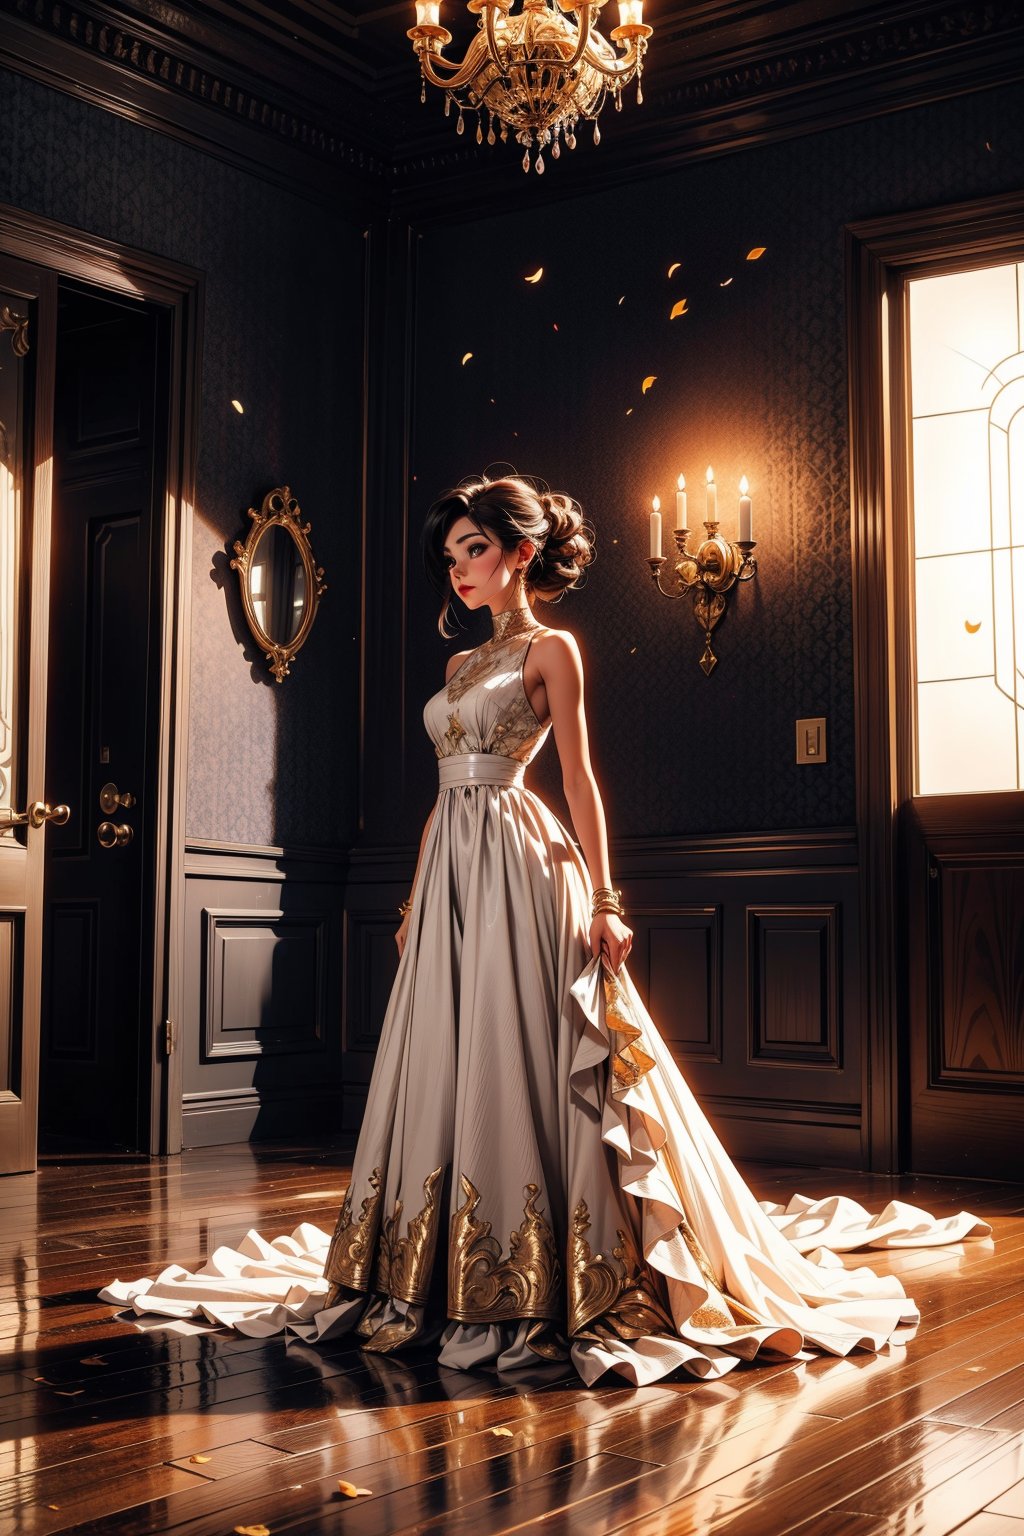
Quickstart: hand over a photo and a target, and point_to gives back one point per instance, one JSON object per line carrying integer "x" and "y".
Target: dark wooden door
{"x": 963, "y": 868}
{"x": 108, "y": 460}
{"x": 27, "y": 318}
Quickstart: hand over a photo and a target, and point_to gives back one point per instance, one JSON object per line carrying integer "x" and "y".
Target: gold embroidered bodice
{"x": 484, "y": 707}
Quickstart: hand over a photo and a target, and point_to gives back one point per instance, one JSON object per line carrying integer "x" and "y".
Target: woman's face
{"x": 479, "y": 569}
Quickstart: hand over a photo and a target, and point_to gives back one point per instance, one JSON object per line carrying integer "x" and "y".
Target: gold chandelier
{"x": 536, "y": 73}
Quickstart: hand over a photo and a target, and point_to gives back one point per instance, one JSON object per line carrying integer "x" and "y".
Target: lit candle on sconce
{"x": 656, "y": 528}
{"x": 746, "y": 509}
{"x": 681, "y": 504}
{"x": 712, "y": 509}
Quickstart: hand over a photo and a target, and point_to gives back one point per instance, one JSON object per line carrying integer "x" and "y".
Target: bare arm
{"x": 561, "y": 669}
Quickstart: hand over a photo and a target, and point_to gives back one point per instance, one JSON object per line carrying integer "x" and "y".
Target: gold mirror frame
{"x": 279, "y": 509}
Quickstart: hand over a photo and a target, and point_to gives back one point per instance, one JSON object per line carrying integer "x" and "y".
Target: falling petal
{"x": 501, "y": 1430}
{"x": 199, "y": 1460}
{"x": 554, "y": 327}
{"x": 645, "y": 386}
{"x": 757, "y": 252}
{"x": 239, "y": 407}
{"x": 632, "y": 650}
{"x": 623, "y": 299}
{"x": 466, "y": 358}
{"x": 535, "y": 277}
{"x": 679, "y": 308}
{"x": 972, "y": 629}
{"x": 674, "y": 267}
{"x": 728, "y": 280}
{"x": 630, "y": 411}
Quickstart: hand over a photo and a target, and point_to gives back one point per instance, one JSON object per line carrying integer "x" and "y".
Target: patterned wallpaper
{"x": 268, "y": 764}
{"x": 752, "y": 378}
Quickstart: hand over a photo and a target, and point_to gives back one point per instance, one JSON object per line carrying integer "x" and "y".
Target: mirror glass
{"x": 277, "y": 584}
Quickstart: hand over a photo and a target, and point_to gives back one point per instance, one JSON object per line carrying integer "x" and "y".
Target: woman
{"x": 533, "y": 1178}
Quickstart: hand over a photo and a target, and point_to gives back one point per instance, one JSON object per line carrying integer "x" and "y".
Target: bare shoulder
{"x": 557, "y": 653}
{"x": 454, "y": 663}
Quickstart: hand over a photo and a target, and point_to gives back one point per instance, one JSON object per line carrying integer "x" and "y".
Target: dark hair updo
{"x": 510, "y": 510}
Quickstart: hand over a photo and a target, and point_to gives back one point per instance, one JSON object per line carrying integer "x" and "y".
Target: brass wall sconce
{"x": 281, "y": 582}
{"x": 709, "y": 571}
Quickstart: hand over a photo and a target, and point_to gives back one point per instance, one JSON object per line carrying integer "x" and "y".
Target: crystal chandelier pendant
{"x": 537, "y": 70}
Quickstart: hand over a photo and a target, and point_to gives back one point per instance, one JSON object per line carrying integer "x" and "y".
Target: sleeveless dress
{"x": 533, "y": 1179}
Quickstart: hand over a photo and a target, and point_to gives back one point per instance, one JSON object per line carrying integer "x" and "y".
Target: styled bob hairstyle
{"x": 509, "y": 510}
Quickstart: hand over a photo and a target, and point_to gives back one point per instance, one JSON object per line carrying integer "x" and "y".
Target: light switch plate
{"x": 811, "y": 741}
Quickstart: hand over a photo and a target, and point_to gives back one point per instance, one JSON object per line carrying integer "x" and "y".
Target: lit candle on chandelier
{"x": 428, "y": 13}
{"x": 656, "y": 528}
{"x": 631, "y": 13}
{"x": 712, "y": 511}
{"x": 746, "y": 508}
{"x": 681, "y": 504}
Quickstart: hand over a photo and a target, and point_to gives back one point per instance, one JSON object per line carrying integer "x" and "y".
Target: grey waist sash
{"x": 479, "y": 768}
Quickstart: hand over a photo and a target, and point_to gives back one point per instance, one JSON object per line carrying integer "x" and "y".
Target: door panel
{"x": 96, "y": 881}
{"x": 965, "y": 871}
{"x": 27, "y": 317}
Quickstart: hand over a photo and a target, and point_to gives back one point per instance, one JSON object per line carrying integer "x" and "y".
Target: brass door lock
{"x": 38, "y": 813}
{"x": 113, "y": 835}
{"x": 112, "y": 800}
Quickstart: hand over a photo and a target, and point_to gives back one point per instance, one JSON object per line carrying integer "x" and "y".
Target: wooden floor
{"x": 114, "y": 1431}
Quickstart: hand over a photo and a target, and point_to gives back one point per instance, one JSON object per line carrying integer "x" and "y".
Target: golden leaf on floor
{"x": 678, "y": 308}
{"x": 351, "y": 1491}
{"x": 252, "y": 1530}
{"x": 757, "y": 252}
{"x": 93, "y": 1360}
{"x": 501, "y": 1430}
{"x": 535, "y": 277}
{"x": 645, "y": 386}
{"x": 199, "y": 1460}
{"x": 53, "y": 1506}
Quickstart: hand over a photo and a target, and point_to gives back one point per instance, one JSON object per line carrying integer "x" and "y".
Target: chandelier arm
{"x": 462, "y": 73}
{"x": 622, "y": 69}
{"x": 583, "y": 27}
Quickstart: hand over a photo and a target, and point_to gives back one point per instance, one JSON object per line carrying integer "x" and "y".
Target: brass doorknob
{"x": 112, "y": 800}
{"x": 39, "y": 812}
{"x": 113, "y": 835}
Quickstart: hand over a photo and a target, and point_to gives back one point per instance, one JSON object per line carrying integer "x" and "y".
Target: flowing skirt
{"x": 533, "y": 1177}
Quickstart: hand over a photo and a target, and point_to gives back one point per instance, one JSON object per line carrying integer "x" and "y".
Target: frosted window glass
{"x": 961, "y": 325}
{"x": 954, "y": 617}
{"x": 967, "y": 475}
{"x": 966, "y": 738}
{"x": 951, "y": 504}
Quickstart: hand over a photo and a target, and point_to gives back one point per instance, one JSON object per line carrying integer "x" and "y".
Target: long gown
{"x": 533, "y": 1179}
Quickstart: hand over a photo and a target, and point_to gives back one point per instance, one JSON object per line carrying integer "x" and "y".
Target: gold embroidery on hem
{"x": 349, "y": 1258}
{"x": 483, "y": 1287}
{"x": 612, "y": 1298}
{"x": 719, "y": 1310}
{"x": 404, "y": 1263}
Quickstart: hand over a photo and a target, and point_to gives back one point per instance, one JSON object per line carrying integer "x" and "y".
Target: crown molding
{"x": 726, "y": 74}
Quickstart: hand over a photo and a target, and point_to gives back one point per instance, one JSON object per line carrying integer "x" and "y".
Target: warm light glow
{"x": 631, "y": 13}
{"x": 710, "y": 476}
{"x": 656, "y": 503}
{"x": 428, "y": 13}
{"x": 681, "y": 482}
{"x": 744, "y": 487}
{"x": 239, "y": 407}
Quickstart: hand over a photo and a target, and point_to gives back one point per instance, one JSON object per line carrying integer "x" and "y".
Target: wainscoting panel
{"x": 793, "y": 976}
{"x": 262, "y": 1038}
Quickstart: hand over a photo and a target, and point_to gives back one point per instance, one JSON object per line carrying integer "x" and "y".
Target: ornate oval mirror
{"x": 281, "y": 582}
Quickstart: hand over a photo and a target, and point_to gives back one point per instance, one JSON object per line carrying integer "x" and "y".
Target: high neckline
{"x": 516, "y": 621}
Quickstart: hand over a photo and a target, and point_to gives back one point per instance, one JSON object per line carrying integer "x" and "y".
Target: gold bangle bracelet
{"x": 405, "y": 907}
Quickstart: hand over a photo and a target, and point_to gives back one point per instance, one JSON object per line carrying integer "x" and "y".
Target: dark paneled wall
{"x": 268, "y": 764}
{"x": 752, "y": 378}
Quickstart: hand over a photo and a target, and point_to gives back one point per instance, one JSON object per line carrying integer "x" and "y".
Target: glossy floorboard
{"x": 111, "y": 1430}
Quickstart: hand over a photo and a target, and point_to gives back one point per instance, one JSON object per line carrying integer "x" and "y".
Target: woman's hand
{"x": 402, "y": 934}
{"x": 609, "y": 934}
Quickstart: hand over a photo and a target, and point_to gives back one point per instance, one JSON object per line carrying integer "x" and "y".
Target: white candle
{"x": 681, "y": 505}
{"x": 631, "y": 12}
{"x": 428, "y": 13}
{"x": 746, "y": 507}
{"x": 656, "y": 528}
{"x": 712, "y": 512}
